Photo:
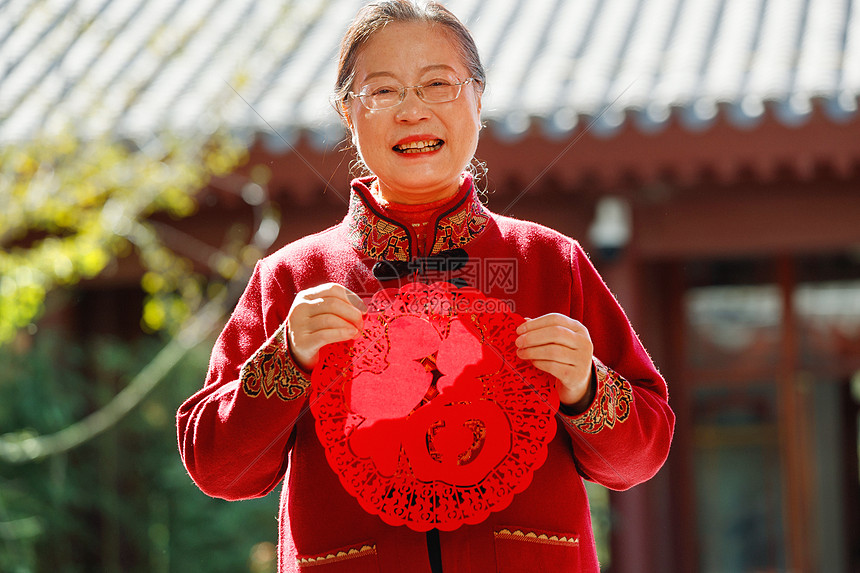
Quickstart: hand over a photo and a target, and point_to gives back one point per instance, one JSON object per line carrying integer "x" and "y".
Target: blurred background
{"x": 705, "y": 152}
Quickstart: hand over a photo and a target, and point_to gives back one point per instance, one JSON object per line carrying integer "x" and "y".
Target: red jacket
{"x": 250, "y": 425}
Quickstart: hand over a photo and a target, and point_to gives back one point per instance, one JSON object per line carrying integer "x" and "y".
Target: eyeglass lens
{"x": 389, "y": 96}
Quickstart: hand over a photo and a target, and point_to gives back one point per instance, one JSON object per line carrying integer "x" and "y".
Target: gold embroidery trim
{"x": 351, "y": 553}
{"x": 534, "y": 537}
{"x": 611, "y": 405}
{"x": 380, "y": 238}
{"x": 271, "y": 370}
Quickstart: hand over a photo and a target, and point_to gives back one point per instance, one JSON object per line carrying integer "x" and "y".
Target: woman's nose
{"x": 413, "y": 108}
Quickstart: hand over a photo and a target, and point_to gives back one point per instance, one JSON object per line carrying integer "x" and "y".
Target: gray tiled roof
{"x": 136, "y": 67}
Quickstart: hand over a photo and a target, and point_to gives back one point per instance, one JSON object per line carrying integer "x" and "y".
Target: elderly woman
{"x": 409, "y": 89}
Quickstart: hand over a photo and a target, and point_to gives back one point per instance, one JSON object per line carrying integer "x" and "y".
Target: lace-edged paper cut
{"x": 428, "y": 417}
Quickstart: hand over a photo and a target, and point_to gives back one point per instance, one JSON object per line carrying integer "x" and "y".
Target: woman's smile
{"x": 418, "y": 145}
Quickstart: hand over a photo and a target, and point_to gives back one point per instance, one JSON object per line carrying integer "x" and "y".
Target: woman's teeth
{"x": 419, "y": 146}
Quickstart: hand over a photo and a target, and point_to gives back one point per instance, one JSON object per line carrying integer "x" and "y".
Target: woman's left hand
{"x": 561, "y": 346}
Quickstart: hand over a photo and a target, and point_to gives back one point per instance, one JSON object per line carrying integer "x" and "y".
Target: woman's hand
{"x": 561, "y": 346}
{"x": 322, "y": 315}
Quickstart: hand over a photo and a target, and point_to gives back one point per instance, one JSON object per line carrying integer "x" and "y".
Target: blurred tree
{"x": 73, "y": 495}
{"x": 89, "y": 474}
{"x": 72, "y": 205}
{"x": 121, "y": 501}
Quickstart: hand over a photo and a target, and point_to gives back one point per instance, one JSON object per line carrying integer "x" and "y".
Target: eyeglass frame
{"x": 418, "y": 91}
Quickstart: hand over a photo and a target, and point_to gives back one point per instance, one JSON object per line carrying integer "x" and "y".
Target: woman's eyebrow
{"x": 434, "y": 67}
{"x": 378, "y": 74}
{"x": 423, "y": 71}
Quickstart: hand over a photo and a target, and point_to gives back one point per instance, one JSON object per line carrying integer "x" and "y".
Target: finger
{"x": 557, "y": 369}
{"x": 553, "y": 352}
{"x": 306, "y": 345}
{"x": 334, "y": 306}
{"x": 336, "y": 290}
{"x": 551, "y": 319}
{"x": 338, "y": 307}
{"x": 326, "y": 321}
{"x": 553, "y": 335}
{"x": 320, "y": 338}
{"x": 356, "y": 301}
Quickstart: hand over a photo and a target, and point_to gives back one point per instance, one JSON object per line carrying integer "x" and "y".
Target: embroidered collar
{"x": 372, "y": 231}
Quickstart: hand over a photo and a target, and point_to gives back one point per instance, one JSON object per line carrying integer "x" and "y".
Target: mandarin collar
{"x": 375, "y": 232}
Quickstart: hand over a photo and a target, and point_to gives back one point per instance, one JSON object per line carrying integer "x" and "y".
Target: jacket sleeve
{"x": 234, "y": 434}
{"x": 623, "y": 438}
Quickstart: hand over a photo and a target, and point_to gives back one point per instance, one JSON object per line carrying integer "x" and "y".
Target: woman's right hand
{"x": 322, "y": 315}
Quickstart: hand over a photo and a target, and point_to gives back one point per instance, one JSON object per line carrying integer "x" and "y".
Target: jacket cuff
{"x": 273, "y": 370}
{"x": 611, "y": 404}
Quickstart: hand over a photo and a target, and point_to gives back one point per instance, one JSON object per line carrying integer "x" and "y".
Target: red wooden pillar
{"x": 632, "y": 531}
{"x": 684, "y": 544}
{"x": 794, "y": 430}
{"x": 632, "y": 515}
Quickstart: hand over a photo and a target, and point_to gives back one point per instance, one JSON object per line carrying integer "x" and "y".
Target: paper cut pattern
{"x": 428, "y": 417}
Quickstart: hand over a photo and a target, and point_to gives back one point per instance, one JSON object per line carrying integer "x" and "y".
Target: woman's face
{"x": 410, "y": 54}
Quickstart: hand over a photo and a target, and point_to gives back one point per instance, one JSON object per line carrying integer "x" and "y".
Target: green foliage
{"x": 72, "y": 206}
{"x": 123, "y": 501}
{"x": 601, "y": 522}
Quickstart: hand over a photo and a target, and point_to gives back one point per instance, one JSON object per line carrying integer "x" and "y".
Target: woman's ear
{"x": 349, "y": 125}
{"x": 344, "y": 110}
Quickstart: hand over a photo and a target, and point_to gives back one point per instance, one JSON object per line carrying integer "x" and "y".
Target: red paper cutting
{"x": 429, "y": 418}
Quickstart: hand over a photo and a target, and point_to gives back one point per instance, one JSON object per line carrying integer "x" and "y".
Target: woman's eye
{"x": 438, "y": 83}
{"x": 383, "y": 91}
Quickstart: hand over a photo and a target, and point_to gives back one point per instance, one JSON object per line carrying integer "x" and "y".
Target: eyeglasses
{"x": 383, "y": 96}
